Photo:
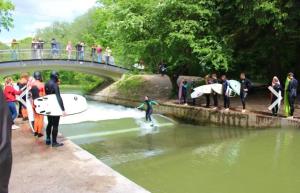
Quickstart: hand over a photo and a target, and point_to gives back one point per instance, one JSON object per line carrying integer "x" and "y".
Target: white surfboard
{"x": 218, "y": 88}
{"x": 48, "y": 105}
{"x": 29, "y": 109}
{"x": 201, "y": 90}
{"x": 235, "y": 86}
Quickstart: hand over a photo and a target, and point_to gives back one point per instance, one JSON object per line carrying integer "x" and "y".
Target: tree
{"x": 6, "y": 20}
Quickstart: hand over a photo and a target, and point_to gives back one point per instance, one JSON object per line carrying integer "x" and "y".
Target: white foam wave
{"x": 100, "y": 111}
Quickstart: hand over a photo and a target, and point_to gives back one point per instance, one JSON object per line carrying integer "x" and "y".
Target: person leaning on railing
{"x": 14, "y": 48}
{"x": 69, "y": 49}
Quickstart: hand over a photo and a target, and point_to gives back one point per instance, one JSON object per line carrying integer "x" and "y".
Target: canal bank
{"x": 130, "y": 91}
{"x": 202, "y": 116}
{"x": 38, "y": 168}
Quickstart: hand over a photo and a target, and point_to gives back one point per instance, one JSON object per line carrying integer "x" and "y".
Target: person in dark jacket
{"x": 292, "y": 93}
{"x": 214, "y": 80}
{"x": 162, "y": 68}
{"x": 226, "y": 93}
{"x": 245, "y": 87}
{"x": 5, "y": 144}
{"x": 208, "y": 81}
{"x": 277, "y": 87}
{"x": 52, "y": 87}
{"x": 184, "y": 92}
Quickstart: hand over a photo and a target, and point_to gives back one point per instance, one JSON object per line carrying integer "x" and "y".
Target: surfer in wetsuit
{"x": 52, "y": 87}
{"x": 214, "y": 80}
{"x": 5, "y": 144}
{"x": 277, "y": 87}
{"x": 245, "y": 86}
{"x": 226, "y": 93}
{"x": 38, "y": 90}
{"x": 292, "y": 93}
{"x": 149, "y": 109}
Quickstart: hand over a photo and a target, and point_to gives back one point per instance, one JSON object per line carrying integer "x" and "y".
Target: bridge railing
{"x": 59, "y": 54}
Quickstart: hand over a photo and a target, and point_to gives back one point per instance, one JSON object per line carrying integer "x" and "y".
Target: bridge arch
{"x": 107, "y": 71}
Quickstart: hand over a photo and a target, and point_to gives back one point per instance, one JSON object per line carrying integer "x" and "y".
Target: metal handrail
{"x": 11, "y": 55}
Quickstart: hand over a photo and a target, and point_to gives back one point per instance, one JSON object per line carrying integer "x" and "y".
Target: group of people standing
{"x": 290, "y": 92}
{"x": 98, "y": 54}
{"x": 37, "y": 89}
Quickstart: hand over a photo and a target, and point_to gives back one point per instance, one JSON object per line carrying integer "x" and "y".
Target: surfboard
{"x": 235, "y": 86}
{"x": 29, "y": 109}
{"x": 48, "y": 105}
{"x": 218, "y": 88}
{"x": 201, "y": 90}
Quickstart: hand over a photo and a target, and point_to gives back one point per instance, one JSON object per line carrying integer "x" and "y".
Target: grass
{"x": 130, "y": 85}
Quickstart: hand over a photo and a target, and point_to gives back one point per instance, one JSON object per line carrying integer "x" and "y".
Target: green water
{"x": 194, "y": 159}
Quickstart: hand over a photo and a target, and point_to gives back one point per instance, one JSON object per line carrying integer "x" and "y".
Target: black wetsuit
{"x": 184, "y": 93}
{"x": 292, "y": 94}
{"x": 5, "y": 144}
{"x": 226, "y": 98}
{"x": 51, "y": 87}
{"x": 149, "y": 108}
{"x": 277, "y": 88}
{"x": 163, "y": 69}
{"x": 245, "y": 84}
{"x": 215, "y": 95}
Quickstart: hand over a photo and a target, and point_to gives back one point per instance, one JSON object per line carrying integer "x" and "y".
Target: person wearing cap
{"x": 51, "y": 87}
{"x": 292, "y": 93}
{"x": 38, "y": 90}
{"x": 5, "y": 144}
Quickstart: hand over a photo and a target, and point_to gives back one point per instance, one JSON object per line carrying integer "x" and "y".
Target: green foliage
{"x": 194, "y": 37}
{"x": 6, "y": 20}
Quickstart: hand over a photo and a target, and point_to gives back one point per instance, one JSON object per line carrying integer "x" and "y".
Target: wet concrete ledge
{"x": 203, "y": 116}
{"x": 38, "y": 168}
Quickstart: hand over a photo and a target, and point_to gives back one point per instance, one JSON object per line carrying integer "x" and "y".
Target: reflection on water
{"x": 184, "y": 158}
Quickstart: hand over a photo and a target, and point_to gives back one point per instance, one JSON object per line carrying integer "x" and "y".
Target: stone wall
{"x": 200, "y": 115}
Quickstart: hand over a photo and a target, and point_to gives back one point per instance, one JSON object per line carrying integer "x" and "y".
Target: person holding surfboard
{"x": 291, "y": 94}
{"x": 277, "y": 87}
{"x": 10, "y": 95}
{"x": 208, "y": 81}
{"x": 5, "y": 144}
{"x": 226, "y": 93}
{"x": 245, "y": 87}
{"x": 149, "y": 107}
{"x": 215, "y": 80}
{"x": 38, "y": 90}
{"x": 52, "y": 87}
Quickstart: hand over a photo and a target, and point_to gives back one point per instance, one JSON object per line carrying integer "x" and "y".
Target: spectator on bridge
{"x": 34, "y": 46}
{"x": 14, "y": 49}
{"x": 69, "y": 50}
{"x": 99, "y": 53}
{"x": 82, "y": 51}
{"x": 78, "y": 48}
{"x": 10, "y": 95}
{"x": 40, "y": 47}
{"x": 5, "y": 144}
{"x": 54, "y": 48}
{"x": 108, "y": 53}
{"x": 93, "y": 53}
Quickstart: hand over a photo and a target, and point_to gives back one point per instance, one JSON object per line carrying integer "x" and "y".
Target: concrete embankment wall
{"x": 204, "y": 116}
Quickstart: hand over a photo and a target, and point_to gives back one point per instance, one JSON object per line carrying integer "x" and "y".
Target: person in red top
{"x": 10, "y": 96}
{"x": 38, "y": 90}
